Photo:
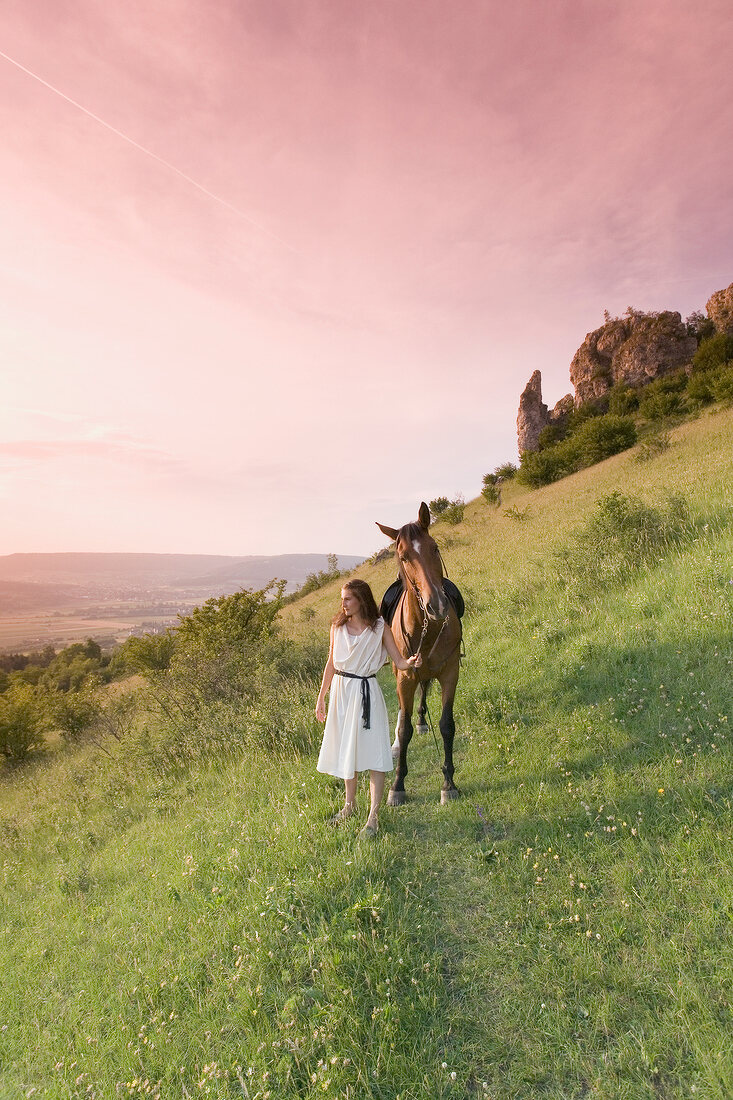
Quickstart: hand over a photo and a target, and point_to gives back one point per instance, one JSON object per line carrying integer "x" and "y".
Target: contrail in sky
{"x": 149, "y": 152}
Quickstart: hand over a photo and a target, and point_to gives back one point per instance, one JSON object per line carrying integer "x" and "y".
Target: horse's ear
{"x": 390, "y": 532}
{"x": 423, "y": 516}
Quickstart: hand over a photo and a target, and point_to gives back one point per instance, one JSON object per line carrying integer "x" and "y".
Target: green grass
{"x": 176, "y": 928}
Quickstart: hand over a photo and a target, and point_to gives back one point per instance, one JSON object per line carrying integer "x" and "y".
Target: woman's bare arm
{"x": 402, "y": 663}
{"x": 328, "y": 674}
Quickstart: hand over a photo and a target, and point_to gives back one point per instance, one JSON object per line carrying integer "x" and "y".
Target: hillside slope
{"x": 194, "y": 928}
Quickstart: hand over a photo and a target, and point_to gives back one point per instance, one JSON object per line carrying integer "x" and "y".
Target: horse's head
{"x": 419, "y": 560}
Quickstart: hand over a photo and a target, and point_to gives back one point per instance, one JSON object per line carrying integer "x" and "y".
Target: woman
{"x": 356, "y": 737}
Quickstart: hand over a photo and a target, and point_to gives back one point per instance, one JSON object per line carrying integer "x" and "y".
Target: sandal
{"x": 343, "y": 815}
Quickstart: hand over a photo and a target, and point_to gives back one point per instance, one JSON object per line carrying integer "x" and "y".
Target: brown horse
{"x": 424, "y": 622}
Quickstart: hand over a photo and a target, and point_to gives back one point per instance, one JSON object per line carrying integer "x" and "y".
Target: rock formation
{"x": 720, "y": 310}
{"x": 534, "y": 415}
{"x": 632, "y": 350}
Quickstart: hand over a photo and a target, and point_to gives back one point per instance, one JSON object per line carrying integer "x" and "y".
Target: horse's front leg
{"x": 448, "y": 685}
{"x": 396, "y": 742}
{"x": 406, "y": 695}
{"x": 422, "y": 706}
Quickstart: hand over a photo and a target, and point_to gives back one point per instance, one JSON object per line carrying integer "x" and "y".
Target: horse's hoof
{"x": 396, "y": 798}
{"x": 422, "y": 727}
{"x": 449, "y": 795}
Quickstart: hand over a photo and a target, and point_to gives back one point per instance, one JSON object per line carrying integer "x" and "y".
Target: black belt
{"x": 366, "y": 699}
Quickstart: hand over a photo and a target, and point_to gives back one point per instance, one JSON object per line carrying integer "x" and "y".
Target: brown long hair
{"x": 367, "y": 605}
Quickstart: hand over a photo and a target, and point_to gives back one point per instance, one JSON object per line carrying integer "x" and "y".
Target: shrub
{"x": 148, "y": 654}
{"x": 490, "y": 491}
{"x": 723, "y": 385}
{"x": 639, "y": 529}
{"x": 660, "y": 406}
{"x": 700, "y": 388}
{"x": 543, "y": 467}
{"x": 588, "y": 411}
{"x": 596, "y": 438}
{"x": 713, "y": 352}
{"x": 74, "y": 714}
{"x": 550, "y": 434}
{"x": 454, "y": 512}
{"x": 438, "y": 506}
{"x": 519, "y": 515}
{"x": 622, "y": 534}
{"x": 507, "y": 471}
{"x": 22, "y": 722}
{"x": 674, "y": 382}
{"x": 314, "y": 581}
{"x": 117, "y": 715}
{"x": 602, "y": 437}
{"x": 711, "y": 385}
{"x": 622, "y": 400}
{"x": 652, "y": 446}
{"x": 664, "y": 397}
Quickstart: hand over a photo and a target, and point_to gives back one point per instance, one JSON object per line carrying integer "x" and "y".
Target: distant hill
{"x": 17, "y": 597}
{"x": 166, "y": 584}
{"x": 219, "y": 572}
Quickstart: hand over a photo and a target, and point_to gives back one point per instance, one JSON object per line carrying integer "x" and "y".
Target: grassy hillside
{"x": 187, "y": 924}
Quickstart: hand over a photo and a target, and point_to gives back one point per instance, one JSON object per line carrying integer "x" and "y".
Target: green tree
{"x": 223, "y": 646}
{"x": 700, "y": 326}
{"x": 148, "y": 654}
{"x": 74, "y": 713}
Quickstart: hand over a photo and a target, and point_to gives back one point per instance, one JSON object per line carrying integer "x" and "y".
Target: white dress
{"x": 347, "y": 746}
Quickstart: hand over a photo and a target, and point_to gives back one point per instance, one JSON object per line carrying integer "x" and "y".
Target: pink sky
{"x": 421, "y": 203}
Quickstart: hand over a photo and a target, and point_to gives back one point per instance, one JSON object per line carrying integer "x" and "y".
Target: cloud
{"x": 467, "y": 188}
{"x": 115, "y": 448}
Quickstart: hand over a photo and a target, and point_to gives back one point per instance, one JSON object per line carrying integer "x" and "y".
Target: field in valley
{"x": 56, "y": 628}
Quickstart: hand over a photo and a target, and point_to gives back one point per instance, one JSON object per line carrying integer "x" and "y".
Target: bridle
{"x": 425, "y": 619}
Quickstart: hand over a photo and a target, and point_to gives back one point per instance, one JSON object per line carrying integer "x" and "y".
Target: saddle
{"x": 391, "y": 598}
